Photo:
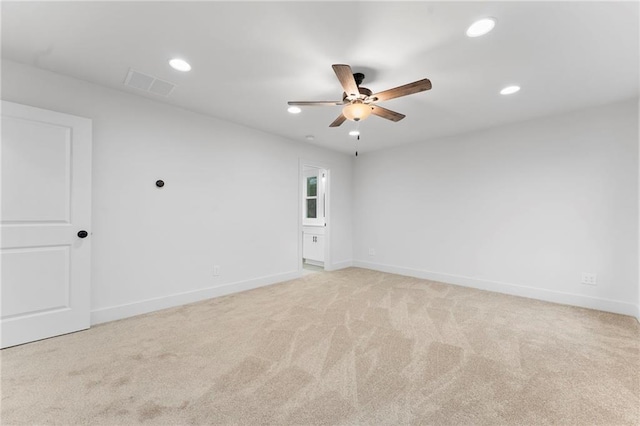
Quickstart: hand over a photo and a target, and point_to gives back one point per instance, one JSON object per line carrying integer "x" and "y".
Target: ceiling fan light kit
{"x": 356, "y": 111}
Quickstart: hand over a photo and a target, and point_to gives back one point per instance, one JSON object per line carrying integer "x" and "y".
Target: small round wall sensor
{"x": 159, "y": 183}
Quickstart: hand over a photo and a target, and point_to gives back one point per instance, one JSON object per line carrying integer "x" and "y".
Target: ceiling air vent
{"x": 148, "y": 83}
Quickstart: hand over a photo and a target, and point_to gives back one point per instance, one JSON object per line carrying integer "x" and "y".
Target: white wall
{"x": 230, "y": 198}
{"x": 522, "y": 209}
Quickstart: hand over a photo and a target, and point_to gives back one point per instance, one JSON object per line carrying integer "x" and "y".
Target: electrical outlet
{"x": 372, "y": 252}
{"x": 216, "y": 270}
{"x": 589, "y": 278}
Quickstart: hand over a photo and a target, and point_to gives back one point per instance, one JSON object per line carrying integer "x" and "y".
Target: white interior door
{"x": 46, "y": 202}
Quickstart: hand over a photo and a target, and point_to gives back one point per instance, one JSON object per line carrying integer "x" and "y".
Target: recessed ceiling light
{"x": 294, "y": 110}
{"x": 354, "y": 133}
{"x": 180, "y": 65}
{"x": 509, "y": 90}
{"x": 481, "y": 27}
{"x": 309, "y": 137}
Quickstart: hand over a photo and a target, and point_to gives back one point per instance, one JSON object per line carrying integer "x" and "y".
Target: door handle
{"x": 83, "y": 234}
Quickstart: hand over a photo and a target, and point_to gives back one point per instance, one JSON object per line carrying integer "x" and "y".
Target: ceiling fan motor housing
{"x": 364, "y": 93}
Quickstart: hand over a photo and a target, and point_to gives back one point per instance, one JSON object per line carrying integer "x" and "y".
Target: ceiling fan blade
{"x": 338, "y": 121}
{"x": 315, "y": 103}
{"x": 386, "y": 113}
{"x": 345, "y": 75}
{"x": 407, "y": 89}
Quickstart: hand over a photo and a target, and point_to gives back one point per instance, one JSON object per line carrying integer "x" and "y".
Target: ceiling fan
{"x": 359, "y": 102}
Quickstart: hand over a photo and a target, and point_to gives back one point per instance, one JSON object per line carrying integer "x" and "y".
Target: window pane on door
{"x": 312, "y": 186}
{"x": 311, "y": 208}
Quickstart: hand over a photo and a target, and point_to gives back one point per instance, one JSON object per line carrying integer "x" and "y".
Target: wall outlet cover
{"x": 589, "y": 278}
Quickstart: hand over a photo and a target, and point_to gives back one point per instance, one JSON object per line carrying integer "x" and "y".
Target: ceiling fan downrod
{"x": 359, "y": 78}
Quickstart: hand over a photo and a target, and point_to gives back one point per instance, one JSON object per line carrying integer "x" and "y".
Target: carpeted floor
{"x": 346, "y": 347}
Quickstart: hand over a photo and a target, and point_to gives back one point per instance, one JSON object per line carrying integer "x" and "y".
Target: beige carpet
{"x": 347, "y": 347}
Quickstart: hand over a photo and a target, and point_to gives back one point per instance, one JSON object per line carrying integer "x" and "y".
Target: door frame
{"x": 327, "y": 207}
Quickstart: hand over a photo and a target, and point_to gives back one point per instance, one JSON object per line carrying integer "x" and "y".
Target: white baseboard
{"x": 113, "y": 313}
{"x": 606, "y": 305}
{"x": 339, "y": 265}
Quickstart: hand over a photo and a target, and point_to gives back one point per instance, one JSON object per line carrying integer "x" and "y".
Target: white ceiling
{"x": 249, "y": 59}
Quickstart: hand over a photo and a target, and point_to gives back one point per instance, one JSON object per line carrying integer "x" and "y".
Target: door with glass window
{"x": 314, "y": 197}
